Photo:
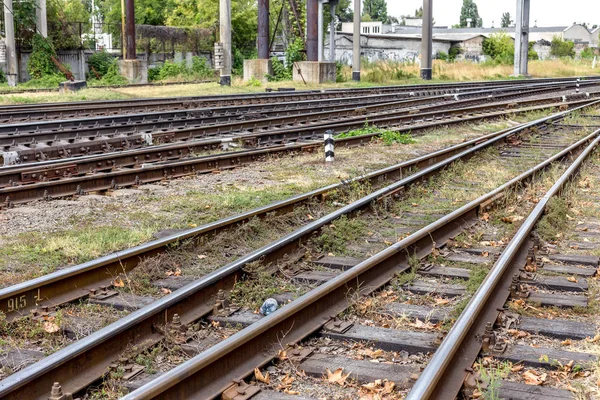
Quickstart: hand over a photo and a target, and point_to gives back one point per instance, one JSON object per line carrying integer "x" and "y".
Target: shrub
{"x": 40, "y": 61}
{"x": 111, "y": 77}
{"x": 280, "y": 72}
{"x": 500, "y": 47}
{"x": 587, "y": 54}
{"x": 179, "y": 70}
{"x": 562, "y": 48}
{"x": 100, "y": 62}
{"x": 46, "y": 81}
{"x": 2, "y": 76}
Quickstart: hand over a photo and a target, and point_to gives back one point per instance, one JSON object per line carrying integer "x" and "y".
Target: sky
{"x": 546, "y": 12}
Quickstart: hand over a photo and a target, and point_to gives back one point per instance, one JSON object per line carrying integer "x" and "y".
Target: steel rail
{"x": 222, "y": 114}
{"x": 445, "y": 373}
{"x": 117, "y": 106}
{"x": 256, "y": 133}
{"x": 43, "y": 183}
{"x": 69, "y": 284}
{"x": 208, "y": 374}
{"x": 277, "y": 118}
{"x": 86, "y": 360}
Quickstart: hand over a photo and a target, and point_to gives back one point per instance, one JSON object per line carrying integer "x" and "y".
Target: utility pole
{"x": 312, "y": 20}
{"x": 356, "y": 42}
{"x": 263, "y": 29}
{"x": 225, "y": 37}
{"x": 11, "y": 55}
{"x": 521, "y": 38}
{"x": 320, "y": 30}
{"x": 332, "y": 4}
{"x": 130, "y": 30}
{"x": 426, "y": 40}
{"x": 41, "y": 20}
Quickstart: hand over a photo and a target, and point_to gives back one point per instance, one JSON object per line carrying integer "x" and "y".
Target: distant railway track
{"x": 253, "y": 129}
{"x": 78, "y": 176}
{"x": 212, "y": 372}
{"x": 23, "y": 113}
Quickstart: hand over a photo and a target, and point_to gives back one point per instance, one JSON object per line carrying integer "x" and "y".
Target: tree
{"x": 506, "y": 21}
{"x": 419, "y": 12}
{"x": 562, "y": 48}
{"x": 377, "y": 9}
{"x": 469, "y": 10}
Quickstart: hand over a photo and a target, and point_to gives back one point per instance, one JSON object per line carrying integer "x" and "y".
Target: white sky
{"x": 546, "y": 12}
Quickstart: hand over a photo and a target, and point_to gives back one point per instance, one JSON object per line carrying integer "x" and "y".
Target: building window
{"x": 375, "y": 29}
{"x": 366, "y": 29}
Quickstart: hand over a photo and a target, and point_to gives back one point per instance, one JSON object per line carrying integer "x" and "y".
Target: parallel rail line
{"x": 194, "y": 300}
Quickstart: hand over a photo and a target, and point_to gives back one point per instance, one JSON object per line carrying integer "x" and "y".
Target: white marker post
{"x": 577, "y": 86}
{"x": 329, "y": 145}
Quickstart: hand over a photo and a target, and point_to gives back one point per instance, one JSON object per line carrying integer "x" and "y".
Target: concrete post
{"x": 41, "y": 18}
{"x": 320, "y": 30}
{"x": 11, "y": 55}
{"x": 263, "y": 29}
{"x": 130, "y": 30}
{"x": 521, "y": 37}
{"x": 225, "y": 36}
{"x": 525, "y": 38}
{"x": 332, "y": 33}
{"x": 356, "y": 42}
{"x": 312, "y": 46}
{"x": 426, "y": 40}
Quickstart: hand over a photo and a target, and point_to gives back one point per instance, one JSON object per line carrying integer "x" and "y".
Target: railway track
{"x": 22, "y": 113}
{"x": 197, "y": 299}
{"x": 80, "y": 176}
{"x": 26, "y": 143}
{"x": 219, "y": 369}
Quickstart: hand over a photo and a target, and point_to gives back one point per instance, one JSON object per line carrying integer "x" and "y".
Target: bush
{"x": 179, "y": 70}
{"x": 562, "y": 48}
{"x": 46, "y": 81}
{"x": 40, "y": 61}
{"x": 339, "y": 72}
{"x": 293, "y": 54}
{"x": 500, "y": 47}
{"x": 112, "y": 76}
{"x": 100, "y": 62}
{"x": 2, "y": 76}
{"x": 587, "y": 54}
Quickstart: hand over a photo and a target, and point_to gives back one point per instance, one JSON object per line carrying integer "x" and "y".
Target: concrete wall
{"x": 471, "y": 49}
{"x": 74, "y": 59}
{"x": 375, "y": 48}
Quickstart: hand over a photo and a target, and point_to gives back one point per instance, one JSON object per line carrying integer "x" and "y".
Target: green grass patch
{"x": 43, "y": 253}
{"x": 336, "y": 236}
{"x": 388, "y": 137}
{"x": 555, "y": 220}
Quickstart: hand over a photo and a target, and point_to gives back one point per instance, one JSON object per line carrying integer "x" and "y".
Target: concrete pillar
{"x": 11, "y": 54}
{"x": 41, "y": 18}
{"x": 312, "y": 45}
{"x": 225, "y": 36}
{"x": 332, "y": 33}
{"x": 130, "y": 30}
{"x": 263, "y": 29}
{"x": 521, "y": 38}
{"x": 356, "y": 42}
{"x": 320, "y": 30}
{"x": 426, "y": 40}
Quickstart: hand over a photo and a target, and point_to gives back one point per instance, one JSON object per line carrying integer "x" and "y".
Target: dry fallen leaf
{"x": 566, "y": 342}
{"x": 517, "y": 368}
{"x": 532, "y": 377}
{"x": 260, "y": 377}
{"x": 337, "y": 376}
{"x": 440, "y": 301}
{"x": 282, "y": 355}
{"x": 118, "y": 282}
{"x": 485, "y": 217}
{"x": 512, "y": 218}
{"x": 593, "y": 340}
{"x": 50, "y": 327}
{"x": 572, "y": 279}
{"x": 165, "y": 290}
{"x": 202, "y": 256}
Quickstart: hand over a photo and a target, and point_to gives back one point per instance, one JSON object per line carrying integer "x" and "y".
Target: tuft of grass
{"x": 388, "y": 137}
{"x": 335, "y": 237}
{"x": 554, "y": 220}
